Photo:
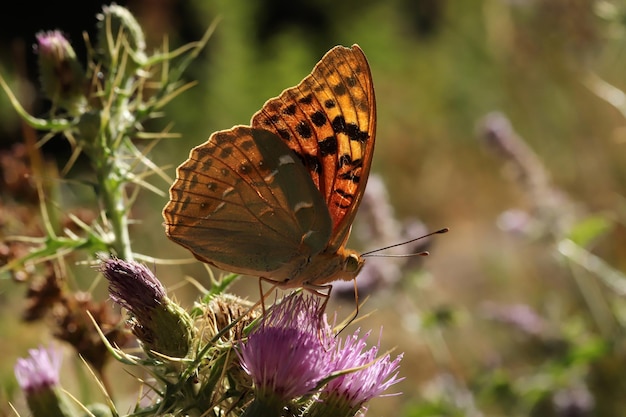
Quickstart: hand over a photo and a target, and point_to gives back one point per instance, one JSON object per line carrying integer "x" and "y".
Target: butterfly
{"x": 277, "y": 199}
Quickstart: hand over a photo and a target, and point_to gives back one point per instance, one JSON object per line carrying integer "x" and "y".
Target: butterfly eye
{"x": 353, "y": 263}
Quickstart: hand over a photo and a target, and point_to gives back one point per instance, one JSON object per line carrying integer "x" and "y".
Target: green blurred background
{"x": 498, "y": 320}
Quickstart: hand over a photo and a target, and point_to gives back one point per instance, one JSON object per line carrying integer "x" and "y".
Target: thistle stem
{"x": 114, "y": 201}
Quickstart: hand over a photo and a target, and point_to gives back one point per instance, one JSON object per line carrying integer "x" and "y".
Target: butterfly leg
{"x": 318, "y": 290}
{"x": 356, "y": 306}
{"x": 322, "y": 291}
{"x": 275, "y": 284}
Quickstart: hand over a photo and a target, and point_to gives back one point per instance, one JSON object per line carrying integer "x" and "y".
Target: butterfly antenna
{"x": 437, "y": 232}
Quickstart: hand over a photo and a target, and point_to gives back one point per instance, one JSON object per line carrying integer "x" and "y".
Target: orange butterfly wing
{"x": 329, "y": 121}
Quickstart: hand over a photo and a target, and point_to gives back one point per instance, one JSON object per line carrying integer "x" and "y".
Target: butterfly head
{"x": 347, "y": 264}
{"x": 323, "y": 268}
{"x": 352, "y": 263}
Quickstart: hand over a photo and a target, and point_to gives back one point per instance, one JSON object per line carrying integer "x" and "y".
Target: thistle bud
{"x": 63, "y": 79}
{"x": 160, "y": 324}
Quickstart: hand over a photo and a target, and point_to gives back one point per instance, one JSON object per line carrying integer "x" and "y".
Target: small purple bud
{"x": 133, "y": 286}
{"x": 157, "y": 321}
{"x": 63, "y": 79}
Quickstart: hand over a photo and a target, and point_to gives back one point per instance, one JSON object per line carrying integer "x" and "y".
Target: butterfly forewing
{"x": 329, "y": 120}
{"x": 243, "y": 202}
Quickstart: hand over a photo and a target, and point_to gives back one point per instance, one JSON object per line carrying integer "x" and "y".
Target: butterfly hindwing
{"x": 244, "y": 203}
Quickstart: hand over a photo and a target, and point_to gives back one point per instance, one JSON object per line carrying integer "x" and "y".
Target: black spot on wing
{"x": 306, "y": 99}
{"x": 186, "y": 203}
{"x": 318, "y": 118}
{"x": 328, "y": 146}
{"x": 273, "y": 119}
{"x": 340, "y": 90}
{"x": 304, "y": 130}
{"x": 312, "y": 162}
{"x": 344, "y": 160}
{"x": 222, "y": 138}
{"x": 355, "y": 134}
{"x": 344, "y": 194}
{"x": 351, "y": 129}
{"x": 284, "y": 134}
{"x": 290, "y": 110}
{"x": 343, "y": 206}
{"x": 204, "y": 158}
{"x": 246, "y": 145}
{"x": 226, "y": 152}
{"x": 244, "y": 168}
{"x": 351, "y": 176}
{"x": 339, "y": 124}
{"x": 204, "y": 152}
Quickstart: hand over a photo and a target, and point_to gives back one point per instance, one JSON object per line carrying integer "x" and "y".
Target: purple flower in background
{"x": 347, "y": 394}
{"x": 39, "y": 371}
{"x": 38, "y": 376}
{"x": 288, "y": 353}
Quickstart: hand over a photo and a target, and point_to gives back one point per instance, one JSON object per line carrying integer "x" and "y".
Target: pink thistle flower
{"x": 287, "y": 354}
{"x": 347, "y": 394}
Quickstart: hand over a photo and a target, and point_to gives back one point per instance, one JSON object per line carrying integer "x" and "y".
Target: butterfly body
{"x": 276, "y": 199}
